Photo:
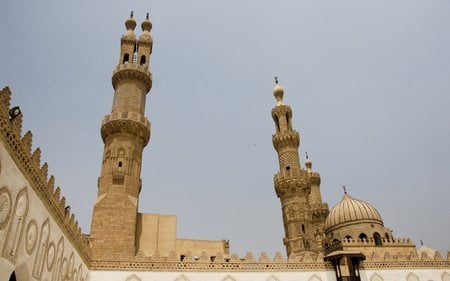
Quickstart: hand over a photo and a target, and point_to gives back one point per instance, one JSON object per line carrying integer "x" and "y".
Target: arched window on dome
{"x": 363, "y": 237}
{"x": 377, "y": 239}
{"x": 349, "y": 238}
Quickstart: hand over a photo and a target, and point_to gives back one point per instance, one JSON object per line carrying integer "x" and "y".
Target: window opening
{"x": 126, "y": 58}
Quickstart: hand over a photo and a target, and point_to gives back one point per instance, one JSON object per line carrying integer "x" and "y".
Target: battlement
{"x": 248, "y": 263}
{"x": 204, "y": 263}
{"x": 132, "y": 71}
{"x": 125, "y": 115}
{"x": 29, "y": 163}
{"x": 125, "y": 121}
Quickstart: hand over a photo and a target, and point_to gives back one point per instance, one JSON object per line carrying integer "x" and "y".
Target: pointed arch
{"x": 412, "y": 277}
{"x": 58, "y": 260}
{"x": 314, "y": 278}
{"x": 445, "y": 276}
{"x": 228, "y": 278}
{"x": 273, "y": 278}
{"x": 16, "y": 226}
{"x": 376, "y": 277}
{"x": 133, "y": 278}
{"x": 182, "y": 278}
{"x": 41, "y": 250}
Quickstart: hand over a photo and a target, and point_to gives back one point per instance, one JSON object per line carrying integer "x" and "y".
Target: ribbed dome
{"x": 351, "y": 210}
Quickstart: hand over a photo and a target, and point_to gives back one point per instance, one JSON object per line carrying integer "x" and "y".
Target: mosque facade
{"x": 40, "y": 238}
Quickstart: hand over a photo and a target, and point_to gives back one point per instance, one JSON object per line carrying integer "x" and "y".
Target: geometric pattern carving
{"x": 16, "y": 226}
{"x": 412, "y": 277}
{"x": 289, "y": 158}
{"x": 42, "y": 250}
{"x": 31, "y": 237}
{"x": 5, "y": 207}
{"x": 376, "y": 277}
{"x": 314, "y": 278}
{"x": 133, "y": 278}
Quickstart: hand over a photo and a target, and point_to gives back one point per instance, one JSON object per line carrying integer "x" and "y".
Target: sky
{"x": 368, "y": 83}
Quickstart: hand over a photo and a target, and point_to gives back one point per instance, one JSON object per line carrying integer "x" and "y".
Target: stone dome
{"x": 351, "y": 211}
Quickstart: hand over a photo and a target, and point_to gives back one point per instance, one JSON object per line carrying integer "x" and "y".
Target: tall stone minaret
{"x": 292, "y": 183}
{"x": 125, "y": 133}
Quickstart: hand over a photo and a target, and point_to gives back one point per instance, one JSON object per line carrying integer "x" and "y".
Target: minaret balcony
{"x": 289, "y": 139}
{"x": 132, "y": 71}
{"x": 126, "y": 122}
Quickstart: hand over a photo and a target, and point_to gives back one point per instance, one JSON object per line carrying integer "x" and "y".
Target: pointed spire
{"x": 344, "y": 187}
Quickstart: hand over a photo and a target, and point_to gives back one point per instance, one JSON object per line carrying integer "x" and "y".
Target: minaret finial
{"x": 146, "y": 17}
{"x": 345, "y": 189}
{"x": 307, "y": 157}
{"x": 421, "y": 242}
{"x": 131, "y": 15}
{"x": 276, "y": 79}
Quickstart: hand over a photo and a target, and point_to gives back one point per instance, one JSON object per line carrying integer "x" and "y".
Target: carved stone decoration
{"x": 272, "y": 278}
{"x": 182, "y": 278}
{"x": 31, "y": 237}
{"x": 445, "y": 276}
{"x": 50, "y": 256}
{"x": 64, "y": 271}
{"x": 16, "y": 226}
{"x": 376, "y": 277}
{"x": 228, "y": 278}
{"x": 5, "y": 207}
{"x": 56, "y": 275}
{"x": 314, "y": 278}
{"x": 134, "y": 278}
{"x": 71, "y": 267}
{"x": 412, "y": 277}
{"x": 41, "y": 250}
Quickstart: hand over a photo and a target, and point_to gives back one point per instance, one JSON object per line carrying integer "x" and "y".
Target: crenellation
{"x": 44, "y": 172}
{"x": 5, "y": 99}
{"x": 264, "y": 258}
{"x": 36, "y": 158}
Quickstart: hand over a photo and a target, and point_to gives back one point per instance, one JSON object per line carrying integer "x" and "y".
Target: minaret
{"x": 125, "y": 133}
{"x": 292, "y": 183}
{"x": 319, "y": 210}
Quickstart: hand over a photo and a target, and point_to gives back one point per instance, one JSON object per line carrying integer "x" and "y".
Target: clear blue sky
{"x": 368, "y": 81}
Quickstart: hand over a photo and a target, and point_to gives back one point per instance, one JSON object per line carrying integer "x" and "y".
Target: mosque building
{"x": 40, "y": 238}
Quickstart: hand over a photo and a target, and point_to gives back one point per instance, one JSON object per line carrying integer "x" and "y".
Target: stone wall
{"x": 39, "y": 237}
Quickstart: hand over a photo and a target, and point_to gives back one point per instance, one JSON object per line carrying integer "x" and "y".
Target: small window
{"x": 303, "y": 228}
{"x": 120, "y": 164}
{"x": 182, "y": 257}
{"x": 349, "y": 238}
{"x": 288, "y": 168}
{"x": 363, "y": 237}
{"x": 126, "y": 58}
{"x": 142, "y": 60}
{"x": 377, "y": 238}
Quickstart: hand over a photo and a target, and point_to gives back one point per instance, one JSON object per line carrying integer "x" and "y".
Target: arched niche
{"x": 412, "y": 277}
{"x": 376, "y": 277}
